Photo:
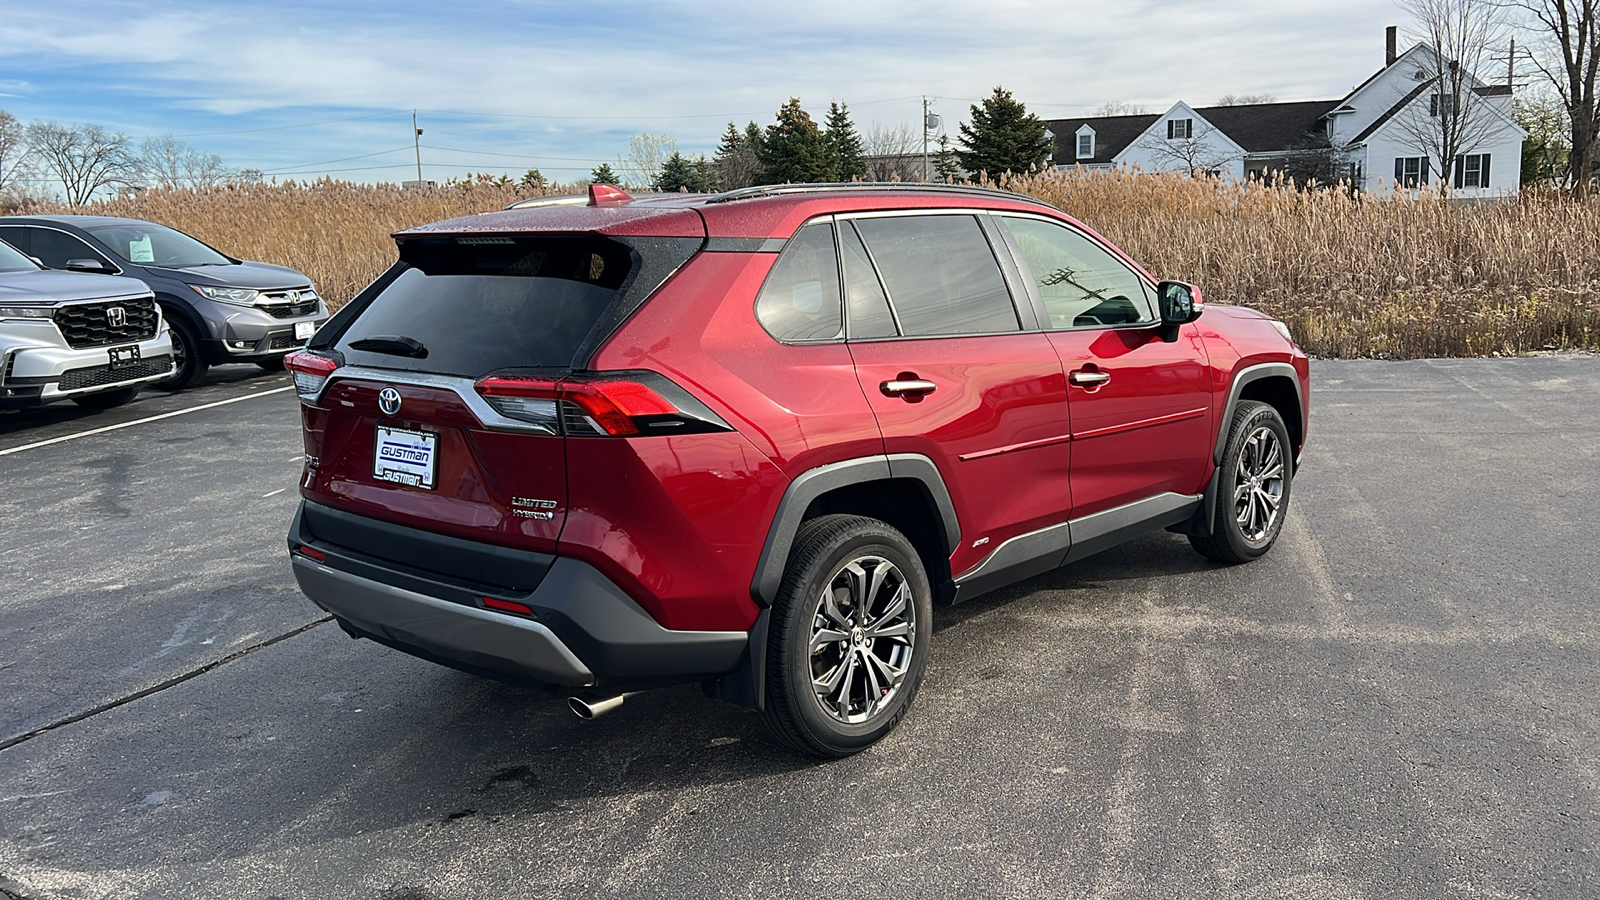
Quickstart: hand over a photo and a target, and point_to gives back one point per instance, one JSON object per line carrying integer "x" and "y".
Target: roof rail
{"x": 770, "y": 190}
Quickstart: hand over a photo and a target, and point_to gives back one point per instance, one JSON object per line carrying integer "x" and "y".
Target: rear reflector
{"x": 311, "y": 553}
{"x": 310, "y": 371}
{"x": 507, "y": 606}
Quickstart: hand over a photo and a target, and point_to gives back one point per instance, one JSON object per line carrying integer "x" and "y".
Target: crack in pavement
{"x": 154, "y": 689}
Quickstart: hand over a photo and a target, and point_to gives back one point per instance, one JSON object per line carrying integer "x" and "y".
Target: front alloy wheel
{"x": 1252, "y": 487}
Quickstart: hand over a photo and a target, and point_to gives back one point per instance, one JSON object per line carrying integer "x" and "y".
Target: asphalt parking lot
{"x": 1400, "y": 701}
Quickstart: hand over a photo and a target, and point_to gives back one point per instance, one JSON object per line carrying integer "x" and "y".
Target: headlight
{"x": 236, "y": 296}
{"x": 26, "y": 312}
{"x": 1283, "y": 330}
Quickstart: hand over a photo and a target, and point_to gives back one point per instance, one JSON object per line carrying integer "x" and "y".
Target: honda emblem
{"x": 116, "y": 317}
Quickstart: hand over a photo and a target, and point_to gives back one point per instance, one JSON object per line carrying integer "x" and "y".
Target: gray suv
{"x": 221, "y": 309}
{"x": 86, "y": 338}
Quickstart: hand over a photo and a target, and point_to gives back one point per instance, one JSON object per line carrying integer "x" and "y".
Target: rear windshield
{"x": 471, "y": 305}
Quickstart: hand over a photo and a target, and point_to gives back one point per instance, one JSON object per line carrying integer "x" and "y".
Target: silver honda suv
{"x": 91, "y": 339}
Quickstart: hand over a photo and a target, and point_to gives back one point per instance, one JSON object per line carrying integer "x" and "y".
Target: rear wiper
{"x": 399, "y": 345}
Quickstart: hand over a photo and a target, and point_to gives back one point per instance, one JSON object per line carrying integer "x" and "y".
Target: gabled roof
{"x": 1264, "y": 127}
{"x": 1256, "y": 127}
{"x": 1389, "y": 113}
{"x": 1112, "y": 135}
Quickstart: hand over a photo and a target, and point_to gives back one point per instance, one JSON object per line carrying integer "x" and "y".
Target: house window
{"x": 1180, "y": 129}
{"x": 1441, "y": 105}
{"x": 1472, "y": 170}
{"x": 1411, "y": 171}
{"x": 1086, "y": 145}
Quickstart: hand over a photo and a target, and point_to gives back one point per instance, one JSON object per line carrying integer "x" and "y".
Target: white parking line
{"x": 94, "y": 431}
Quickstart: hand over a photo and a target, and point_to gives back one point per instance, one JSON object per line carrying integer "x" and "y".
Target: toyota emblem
{"x": 116, "y": 317}
{"x": 389, "y": 401}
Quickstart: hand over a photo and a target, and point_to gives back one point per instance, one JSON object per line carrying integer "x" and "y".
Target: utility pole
{"x": 925, "y": 138}
{"x": 416, "y": 140}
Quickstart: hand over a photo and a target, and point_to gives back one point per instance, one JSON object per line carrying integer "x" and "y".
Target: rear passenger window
{"x": 800, "y": 301}
{"x": 1081, "y": 283}
{"x": 868, "y": 304}
{"x": 941, "y": 275}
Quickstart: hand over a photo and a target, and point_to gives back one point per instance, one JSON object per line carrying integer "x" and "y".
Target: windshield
{"x": 13, "y": 260}
{"x": 150, "y": 244}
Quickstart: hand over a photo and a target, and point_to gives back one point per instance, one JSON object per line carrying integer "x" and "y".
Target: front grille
{"x": 284, "y": 341}
{"x": 291, "y": 310}
{"x": 98, "y": 376}
{"x": 89, "y": 325}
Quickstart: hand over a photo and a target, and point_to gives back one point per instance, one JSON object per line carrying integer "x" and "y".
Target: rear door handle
{"x": 901, "y": 387}
{"x": 1089, "y": 378}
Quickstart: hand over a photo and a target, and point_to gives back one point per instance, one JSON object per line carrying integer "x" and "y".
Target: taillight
{"x": 615, "y": 405}
{"x": 309, "y": 370}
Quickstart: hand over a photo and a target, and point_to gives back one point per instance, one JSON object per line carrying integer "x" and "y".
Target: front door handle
{"x": 907, "y": 388}
{"x": 1089, "y": 378}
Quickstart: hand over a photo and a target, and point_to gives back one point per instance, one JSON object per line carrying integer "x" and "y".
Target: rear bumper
{"x": 583, "y": 630}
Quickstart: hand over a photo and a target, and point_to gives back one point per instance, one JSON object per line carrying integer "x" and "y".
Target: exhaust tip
{"x": 593, "y": 707}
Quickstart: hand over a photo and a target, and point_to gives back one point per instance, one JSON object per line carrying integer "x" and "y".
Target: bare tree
{"x": 1245, "y": 99}
{"x": 1120, "y": 108}
{"x": 894, "y": 153}
{"x": 1319, "y": 161}
{"x": 1452, "y": 117}
{"x": 13, "y": 153}
{"x": 85, "y": 157}
{"x": 1194, "y": 155}
{"x": 646, "y": 155}
{"x": 167, "y": 162}
{"x": 1570, "y": 33}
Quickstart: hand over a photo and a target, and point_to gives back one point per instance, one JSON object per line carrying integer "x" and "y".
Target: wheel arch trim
{"x": 814, "y": 483}
{"x": 1242, "y": 378}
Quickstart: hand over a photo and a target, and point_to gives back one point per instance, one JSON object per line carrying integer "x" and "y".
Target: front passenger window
{"x": 1082, "y": 284}
{"x": 54, "y": 248}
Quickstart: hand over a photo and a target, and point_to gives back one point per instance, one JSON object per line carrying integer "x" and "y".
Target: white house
{"x": 1383, "y": 133}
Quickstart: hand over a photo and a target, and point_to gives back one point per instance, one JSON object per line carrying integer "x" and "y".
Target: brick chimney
{"x": 1390, "y": 46}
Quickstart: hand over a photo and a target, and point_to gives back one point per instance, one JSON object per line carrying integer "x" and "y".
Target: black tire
{"x": 186, "y": 354}
{"x": 271, "y": 364}
{"x": 1258, "y": 463}
{"x": 107, "y": 399}
{"x": 889, "y": 573}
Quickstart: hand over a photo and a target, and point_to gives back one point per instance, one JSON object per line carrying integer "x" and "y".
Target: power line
{"x": 326, "y": 162}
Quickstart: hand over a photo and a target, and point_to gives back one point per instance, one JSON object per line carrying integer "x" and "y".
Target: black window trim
{"x": 1038, "y": 300}
{"x": 86, "y": 241}
{"x": 1000, "y": 259}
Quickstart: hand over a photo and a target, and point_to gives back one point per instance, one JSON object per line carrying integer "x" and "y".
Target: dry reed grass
{"x": 1353, "y": 276}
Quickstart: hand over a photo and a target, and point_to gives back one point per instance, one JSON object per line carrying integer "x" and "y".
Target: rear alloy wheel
{"x": 1253, "y": 487}
{"x": 191, "y": 366}
{"x": 107, "y": 399}
{"x": 849, "y": 636}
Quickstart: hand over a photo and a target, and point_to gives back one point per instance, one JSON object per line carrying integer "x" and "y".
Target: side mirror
{"x": 87, "y": 265}
{"x": 1180, "y": 304}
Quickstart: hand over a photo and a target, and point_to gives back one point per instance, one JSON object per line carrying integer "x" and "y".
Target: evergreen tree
{"x": 945, "y": 164}
{"x": 735, "y": 161}
{"x": 844, "y": 145}
{"x": 602, "y": 174}
{"x": 794, "y": 149}
{"x": 1003, "y": 137}
{"x": 533, "y": 180}
{"x": 680, "y": 173}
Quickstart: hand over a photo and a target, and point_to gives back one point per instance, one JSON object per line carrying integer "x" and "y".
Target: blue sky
{"x": 301, "y": 89}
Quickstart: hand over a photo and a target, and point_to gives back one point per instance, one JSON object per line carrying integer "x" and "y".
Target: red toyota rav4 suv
{"x": 752, "y": 439}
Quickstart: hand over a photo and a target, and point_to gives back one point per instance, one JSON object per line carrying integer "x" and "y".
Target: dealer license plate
{"x": 304, "y": 330}
{"x": 406, "y": 457}
{"x": 123, "y": 357}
